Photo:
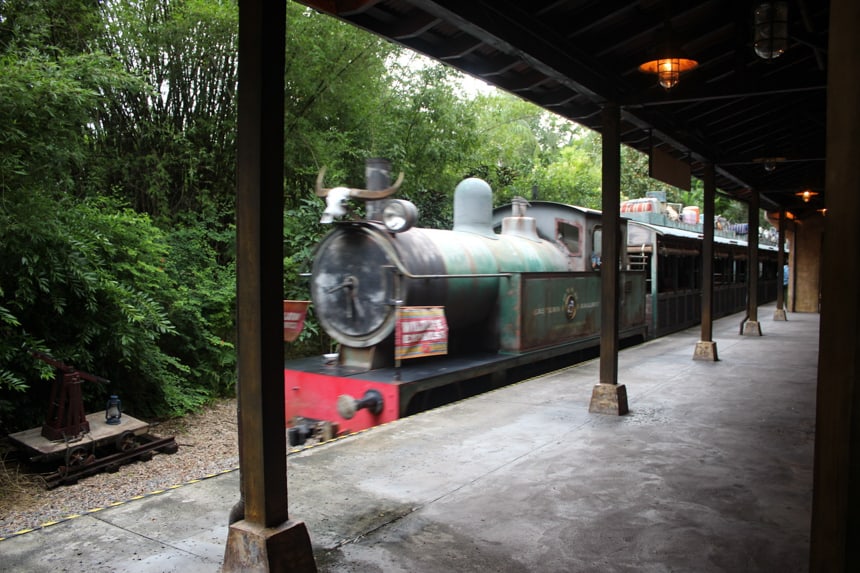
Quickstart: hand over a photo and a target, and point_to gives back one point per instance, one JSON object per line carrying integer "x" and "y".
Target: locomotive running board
{"x": 313, "y": 387}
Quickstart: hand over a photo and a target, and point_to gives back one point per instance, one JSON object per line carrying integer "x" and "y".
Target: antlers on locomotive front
{"x": 337, "y": 198}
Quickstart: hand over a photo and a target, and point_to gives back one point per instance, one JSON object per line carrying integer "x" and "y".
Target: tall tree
{"x": 48, "y": 26}
{"x": 85, "y": 279}
{"x": 334, "y": 100}
{"x": 172, "y": 149}
{"x": 429, "y": 132}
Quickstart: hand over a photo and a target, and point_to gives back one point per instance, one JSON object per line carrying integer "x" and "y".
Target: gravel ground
{"x": 207, "y": 444}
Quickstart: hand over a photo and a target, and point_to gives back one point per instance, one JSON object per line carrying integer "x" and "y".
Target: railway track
{"x": 80, "y": 464}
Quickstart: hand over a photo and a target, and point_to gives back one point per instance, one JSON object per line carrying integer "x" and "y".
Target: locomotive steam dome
{"x": 473, "y": 207}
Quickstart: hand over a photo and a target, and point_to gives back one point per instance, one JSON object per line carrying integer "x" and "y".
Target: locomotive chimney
{"x": 473, "y": 207}
{"x": 377, "y": 176}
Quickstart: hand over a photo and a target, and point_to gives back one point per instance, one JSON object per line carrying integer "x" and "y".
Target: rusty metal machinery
{"x": 74, "y": 444}
{"x": 66, "y": 417}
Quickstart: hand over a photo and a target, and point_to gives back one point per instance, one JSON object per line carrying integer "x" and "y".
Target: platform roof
{"x": 571, "y": 57}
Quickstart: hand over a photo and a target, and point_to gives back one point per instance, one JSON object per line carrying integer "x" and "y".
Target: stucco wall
{"x": 805, "y": 279}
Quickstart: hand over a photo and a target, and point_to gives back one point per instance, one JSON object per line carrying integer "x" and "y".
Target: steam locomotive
{"x": 506, "y": 293}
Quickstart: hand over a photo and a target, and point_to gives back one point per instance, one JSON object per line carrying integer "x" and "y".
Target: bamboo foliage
{"x": 182, "y": 131}
{"x": 117, "y": 178}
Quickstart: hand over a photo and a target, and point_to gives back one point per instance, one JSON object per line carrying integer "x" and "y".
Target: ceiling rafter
{"x": 573, "y": 56}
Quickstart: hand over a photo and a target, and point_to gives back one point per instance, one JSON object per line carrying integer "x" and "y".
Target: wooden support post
{"x": 706, "y": 348}
{"x": 779, "y": 313}
{"x": 836, "y": 476}
{"x": 752, "y": 326}
{"x": 608, "y": 397}
{"x": 263, "y": 539}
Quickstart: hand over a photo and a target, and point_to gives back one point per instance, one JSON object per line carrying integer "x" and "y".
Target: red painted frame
{"x": 314, "y": 396}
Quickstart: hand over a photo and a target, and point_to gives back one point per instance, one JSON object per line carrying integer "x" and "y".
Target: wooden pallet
{"x": 100, "y": 434}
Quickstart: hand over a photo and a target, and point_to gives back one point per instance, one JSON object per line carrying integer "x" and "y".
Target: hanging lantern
{"x": 113, "y": 410}
{"x": 770, "y": 29}
{"x": 668, "y": 70}
{"x": 669, "y": 61}
{"x": 806, "y": 195}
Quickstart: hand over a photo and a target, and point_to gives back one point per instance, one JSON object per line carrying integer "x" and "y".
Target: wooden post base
{"x": 779, "y": 314}
{"x": 706, "y": 350}
{"x": 752, "y": 328}
{"x": 608, "y": 399}
{"x": 283, "y": 549}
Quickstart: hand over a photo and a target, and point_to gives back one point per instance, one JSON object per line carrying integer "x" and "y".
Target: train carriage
{"x": 517, "y": 289}
{"x": 670, "y": 253}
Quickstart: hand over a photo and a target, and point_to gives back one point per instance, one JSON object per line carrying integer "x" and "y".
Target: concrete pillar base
{"x": 706, "y": 350}
{"x": 752, "y": 328}
{"x": 779, "y": 314}
{"x": 609, "y": 399}
{"x": 285, "y": 548}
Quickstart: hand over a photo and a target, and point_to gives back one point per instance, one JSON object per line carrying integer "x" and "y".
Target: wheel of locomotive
{"x": 126, "y": 442}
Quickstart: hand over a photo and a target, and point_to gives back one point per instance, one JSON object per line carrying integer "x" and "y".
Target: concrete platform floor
{"x": 711, "y": 471}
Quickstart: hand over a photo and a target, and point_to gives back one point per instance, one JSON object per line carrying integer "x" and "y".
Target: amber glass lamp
{"x": 806, "y": 195}
{"x": 669, "y": 61}
{"x": 668, "y": 69}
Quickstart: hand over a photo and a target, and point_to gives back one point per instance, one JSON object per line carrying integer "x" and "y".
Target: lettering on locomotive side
{"x": 434, "y": 336}
{"x": 423, "y": 325}
{"x": 546, "y": 310}
{"x": 570, "y": 308}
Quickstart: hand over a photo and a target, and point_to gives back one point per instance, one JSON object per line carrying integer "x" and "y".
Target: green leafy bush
{"x": 88, "y": 283}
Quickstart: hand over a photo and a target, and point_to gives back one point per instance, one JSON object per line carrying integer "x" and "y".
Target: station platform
{"x": 711, "y": 471}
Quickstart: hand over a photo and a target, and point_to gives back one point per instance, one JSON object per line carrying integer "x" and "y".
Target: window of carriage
{"x": 570, "y": 236}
